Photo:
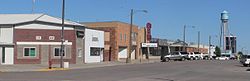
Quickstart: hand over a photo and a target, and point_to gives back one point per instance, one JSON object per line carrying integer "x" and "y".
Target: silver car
{"x": 174, "y": 56}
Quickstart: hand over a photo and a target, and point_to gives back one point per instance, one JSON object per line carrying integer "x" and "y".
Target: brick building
{"x": 117, "y": 41}
{"x": 36, "y": 39}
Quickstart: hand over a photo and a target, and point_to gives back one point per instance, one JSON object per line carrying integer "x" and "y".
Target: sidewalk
{"x": 41, "y": 67}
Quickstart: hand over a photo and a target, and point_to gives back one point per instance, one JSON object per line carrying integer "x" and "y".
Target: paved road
{"x": 206, "y": 70}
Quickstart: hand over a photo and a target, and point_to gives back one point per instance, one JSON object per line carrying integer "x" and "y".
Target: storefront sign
{"x": 148, "y": 26}
{"x": 95, "y": 39}
{"x": 149, "y": 45}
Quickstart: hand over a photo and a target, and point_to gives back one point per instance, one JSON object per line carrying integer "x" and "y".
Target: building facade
{"x": 94, "y": 45}
{"x": 121, "y": 39}
{"x": 36, "y": 39}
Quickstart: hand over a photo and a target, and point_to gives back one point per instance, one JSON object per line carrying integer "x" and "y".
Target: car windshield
{"x": 196, "y": 53}
{"x": 184, "y": 52}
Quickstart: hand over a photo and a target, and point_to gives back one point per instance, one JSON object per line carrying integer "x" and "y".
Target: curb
{"x": 53, "y": 69}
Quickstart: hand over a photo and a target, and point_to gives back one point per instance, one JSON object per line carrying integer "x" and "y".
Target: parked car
{"x": 174, "y": 56}
{"x": 197, "y": 55}
{"x": 190, "y": 56}
{"x": 205, "y": 56}
{"x": 245, "y": 60}
{"x": 223, "y": 57}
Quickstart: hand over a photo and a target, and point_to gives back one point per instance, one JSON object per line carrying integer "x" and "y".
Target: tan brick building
{"x": 117, "y": 38}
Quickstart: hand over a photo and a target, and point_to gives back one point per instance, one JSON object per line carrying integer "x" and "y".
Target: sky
{"x": 167, "y": 16}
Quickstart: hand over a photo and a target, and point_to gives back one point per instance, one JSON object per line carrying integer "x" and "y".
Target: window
{"x": 120, "y": 36}
{"x": 38, "y": 37}
{"x": 51, "y": 37}
{"x": 79, "y": 50}
{"x": 57, "y": 51}
{"x": 125, "y": 37}
{"x": 107, "y": 36}
{"x": 95, "y": 51}
{"x": 30, "y": 52}
{"x": 80, "y": 34}
{"x": 134, "y": 35}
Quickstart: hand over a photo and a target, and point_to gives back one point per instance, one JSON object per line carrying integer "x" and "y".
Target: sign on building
{"x": 149, "y": 45}
{"x": 148, "y": 34}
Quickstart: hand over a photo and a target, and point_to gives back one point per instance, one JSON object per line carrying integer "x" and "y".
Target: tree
{"x": 240, "y": 54}
{"x": 217, "y": 51}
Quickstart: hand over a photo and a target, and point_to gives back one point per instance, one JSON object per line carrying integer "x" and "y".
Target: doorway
{"x": 6, "y": 55}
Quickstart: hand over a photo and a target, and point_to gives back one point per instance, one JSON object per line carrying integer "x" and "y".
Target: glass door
{"x": 3, "y": 55}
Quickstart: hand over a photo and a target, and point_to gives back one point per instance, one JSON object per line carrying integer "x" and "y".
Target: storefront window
{"x": 29, "y": 51}
{"x": 94, "y": 51}
{"x": 57, "y": 52}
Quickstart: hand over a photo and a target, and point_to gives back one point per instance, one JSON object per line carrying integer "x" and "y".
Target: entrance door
{"x": 3, "y": 55}
{"x": 7, "y": 55}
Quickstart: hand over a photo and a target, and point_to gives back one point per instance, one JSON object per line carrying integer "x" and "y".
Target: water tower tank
{"x": 224, "y": 15}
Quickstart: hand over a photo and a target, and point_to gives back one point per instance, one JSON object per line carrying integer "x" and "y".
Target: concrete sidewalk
{"x": 42, "y": 67}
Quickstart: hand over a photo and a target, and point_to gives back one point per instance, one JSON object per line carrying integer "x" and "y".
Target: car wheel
{"x": 193, "y": 58}
{"x": 183, "y": 59}
{"x": 163, "y": 60}
{"x": 196, "y": 58}
{"x": 167, "y": 59}
{"x": 206, "y": 58}
{"x": 245, "y": 65}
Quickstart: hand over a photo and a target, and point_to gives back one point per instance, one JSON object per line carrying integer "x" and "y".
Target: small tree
{"x": 240, "y": 54}
{"x": 217, "y": 51}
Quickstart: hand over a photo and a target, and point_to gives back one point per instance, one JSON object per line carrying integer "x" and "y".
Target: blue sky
{"x": 167, "y": 16}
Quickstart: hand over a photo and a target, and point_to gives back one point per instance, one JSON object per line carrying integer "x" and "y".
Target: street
{"x": 202, "y": 70}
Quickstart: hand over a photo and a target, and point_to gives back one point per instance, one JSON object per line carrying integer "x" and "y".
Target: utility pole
{"x": 62, "y": 36}
{"x": 198, "y": 41}
{"x": 221, "y": 32}
{"x": 209, "y": 48}
{"x": 184, "y": 37}
{"x": 128, "y": 60}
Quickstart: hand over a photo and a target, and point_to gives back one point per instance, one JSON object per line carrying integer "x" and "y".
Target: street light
{"x": 62, "y": 36}
{"x": 199, "y": 41}
{"x": 128, "y": 60}
{"x": 184, "y": 36}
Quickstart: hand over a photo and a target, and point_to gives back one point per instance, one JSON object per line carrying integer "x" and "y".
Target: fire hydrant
{"x": 50, "y": 64}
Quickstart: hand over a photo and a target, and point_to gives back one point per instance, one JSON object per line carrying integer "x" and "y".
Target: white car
{"x": 222, "y": 58}
{"x": 245, "y": 60}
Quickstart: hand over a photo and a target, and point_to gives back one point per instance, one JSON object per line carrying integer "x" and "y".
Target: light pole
{"x": 62, "y": 36}
{"x": 198, "y": 41}
{"x": 184, "y": 36}
{"x": 210, "y": 43}
{"x": 128, "y": 60}
{"x": 209, "y": 46}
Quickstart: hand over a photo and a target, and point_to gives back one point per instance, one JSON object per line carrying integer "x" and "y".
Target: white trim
{"x": 43, "y": 43}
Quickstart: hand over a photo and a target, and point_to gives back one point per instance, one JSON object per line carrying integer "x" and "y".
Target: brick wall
{"x": 120, "y": 29}
{"x": 29, "y": 35}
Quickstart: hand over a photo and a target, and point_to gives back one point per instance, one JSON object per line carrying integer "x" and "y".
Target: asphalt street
{"x": 203, "y": 70}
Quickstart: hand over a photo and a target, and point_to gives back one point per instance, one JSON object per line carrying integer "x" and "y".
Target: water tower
{"x": 224, "y": 28}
